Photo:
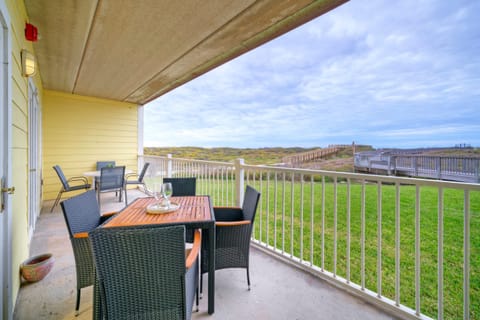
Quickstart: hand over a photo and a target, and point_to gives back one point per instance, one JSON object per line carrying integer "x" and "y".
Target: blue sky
{"x": 391, "y": 73}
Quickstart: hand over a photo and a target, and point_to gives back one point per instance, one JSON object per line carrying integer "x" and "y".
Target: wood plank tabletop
{"x": 193, "y": 209}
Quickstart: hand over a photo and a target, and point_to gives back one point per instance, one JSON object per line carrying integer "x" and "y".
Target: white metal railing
{"x": 216, "y": 179}
{"x": 464, "y": 169}
{"x": 408, "y": 245}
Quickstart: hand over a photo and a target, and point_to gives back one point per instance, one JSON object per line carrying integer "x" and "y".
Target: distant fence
{"x": 464, "y": 169}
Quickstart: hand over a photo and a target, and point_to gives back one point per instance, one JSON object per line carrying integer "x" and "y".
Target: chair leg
{"x": 77, "y": 306}
{"x": 126, "y": 201}
{"x": 201, "y": 285}
{"x": 57, "y": 200}
{"x": 197, "y": 299}
{"x": 98, "y": 199}
{"x": 248, "y": 278}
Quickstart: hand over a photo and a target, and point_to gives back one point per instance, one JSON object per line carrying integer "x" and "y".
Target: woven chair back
{"x": 141, "y": 272}
{"x": 81, "y": 212}
{"x": 250, "y": 203}
{"x": 182, "y": 186}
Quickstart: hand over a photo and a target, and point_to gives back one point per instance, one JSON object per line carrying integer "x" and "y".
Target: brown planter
{"x": 37, "y": 267}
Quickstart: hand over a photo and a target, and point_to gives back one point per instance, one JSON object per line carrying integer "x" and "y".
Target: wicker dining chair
{"x": 111, "y": 179}
{"x": 71, "y": 184}
{"x": 82, "y": 215}
{"x": 182, "y": 186}
{"x": 143, "y": 272}
{"x": 133, "y": 178}
{"x": 233, "y": 232}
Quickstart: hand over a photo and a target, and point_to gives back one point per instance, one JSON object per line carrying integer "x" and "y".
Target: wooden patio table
{"x": 194, "y": 212}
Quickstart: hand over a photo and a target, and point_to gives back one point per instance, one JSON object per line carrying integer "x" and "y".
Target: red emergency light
{"x": 31, "y": 32}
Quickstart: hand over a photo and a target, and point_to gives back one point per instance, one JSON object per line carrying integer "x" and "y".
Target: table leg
{"x": 211, "y": 269}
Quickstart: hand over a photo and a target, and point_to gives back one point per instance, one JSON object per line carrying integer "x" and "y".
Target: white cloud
{"x": 379, "y": 71}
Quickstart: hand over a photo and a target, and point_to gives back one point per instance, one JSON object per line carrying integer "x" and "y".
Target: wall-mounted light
{"x": 29, "y": 65}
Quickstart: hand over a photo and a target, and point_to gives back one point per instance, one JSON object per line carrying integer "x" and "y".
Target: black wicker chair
{"x": 82, "y": 215}
{"x": 233, "y": 232}
{"x": 182, "y": 186}
{"x": 111, "y": 179}
{"x": 138, "y": 179}
{"x": 143, "y": 272}
{"x": 79, "y": 184}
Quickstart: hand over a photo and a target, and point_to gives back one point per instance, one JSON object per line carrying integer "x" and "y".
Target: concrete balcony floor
{"x": 279, "y": 291}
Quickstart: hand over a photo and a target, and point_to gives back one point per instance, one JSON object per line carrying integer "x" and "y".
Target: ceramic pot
{"x": 37, "y": 267}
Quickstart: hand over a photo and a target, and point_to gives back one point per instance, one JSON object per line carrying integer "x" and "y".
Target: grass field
{"x": 453, "y": 238}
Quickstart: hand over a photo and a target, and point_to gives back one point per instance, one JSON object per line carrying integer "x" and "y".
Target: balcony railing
{"x": 411, "y": 246}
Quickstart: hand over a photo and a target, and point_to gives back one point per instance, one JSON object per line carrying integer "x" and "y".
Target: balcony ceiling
{"x": 136, "y": 51}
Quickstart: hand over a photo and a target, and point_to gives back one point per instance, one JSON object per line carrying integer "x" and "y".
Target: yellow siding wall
{"x": 19, "y": 151}
{"x": 78, "y": 131}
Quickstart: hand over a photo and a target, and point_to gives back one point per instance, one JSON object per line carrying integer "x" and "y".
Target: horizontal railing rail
{"x": 408, "y": 245}
{"x": 465, "y": 169}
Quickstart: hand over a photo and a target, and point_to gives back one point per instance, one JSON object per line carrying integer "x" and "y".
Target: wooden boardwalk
{"x": 462, "y": 169}
{"x": 299, "y": 158}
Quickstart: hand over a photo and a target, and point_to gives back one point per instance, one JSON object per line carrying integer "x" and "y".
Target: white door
{"x": 6, "y": 304}
{"x": 34, "y": 168}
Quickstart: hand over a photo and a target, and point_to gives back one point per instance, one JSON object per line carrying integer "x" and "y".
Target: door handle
{"x": 9, "y": 190}
{"x": 2, "y": 197}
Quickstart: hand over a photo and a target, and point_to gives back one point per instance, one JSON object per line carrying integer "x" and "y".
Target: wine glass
{"x": 167, "y": 191}
{"x": 158, "y": 192}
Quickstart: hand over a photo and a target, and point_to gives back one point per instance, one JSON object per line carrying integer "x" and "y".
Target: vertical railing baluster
{"x": 440, "y": 253}
{"x": 292, "y": 207}
{"x": 349, "y": 205}
{"x": 397, "y": 244}
{"x": 283, "y": 213}
{"x": 312, "y": 212}
{"x": 209, "y": 180}
{"x": 222, "y": 184}
{"x": 335, "y": 214}
{"x": 379, "y": 239}
{"x": 259, "y": 210}
{"x": 204, "y": 179}
{"x": 275, "y": 198}
{"x": 232, "y": 187}
{"x": 323, "y": 223}
{"x": 227, "y": 185}
{"x": 216, "y": 183}
{"x": 362, "y": 237}
{"x": 267, "y": 209}
{"x": 302, "y": 199}
{"x": 466, "y": 255}
{"x": 417, "y": 250}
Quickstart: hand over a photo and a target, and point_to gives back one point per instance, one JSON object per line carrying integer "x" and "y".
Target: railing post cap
{"x": 240, "y": 161}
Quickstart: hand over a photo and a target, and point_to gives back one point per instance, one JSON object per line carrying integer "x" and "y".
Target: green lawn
{"x": 453, "y": 238}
